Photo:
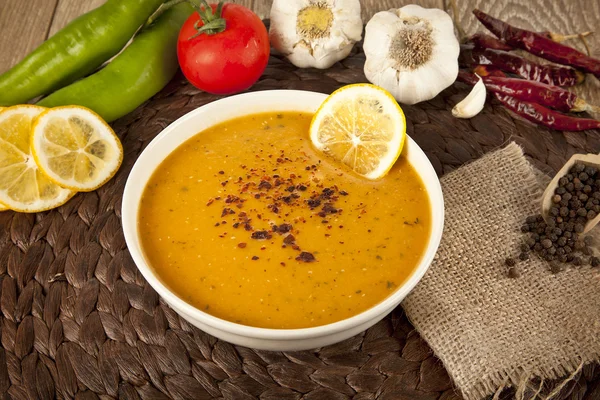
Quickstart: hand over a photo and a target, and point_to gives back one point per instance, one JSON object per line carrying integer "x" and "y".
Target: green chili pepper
{"x": 76, "y": 50}
{"x": 135, "y": 75}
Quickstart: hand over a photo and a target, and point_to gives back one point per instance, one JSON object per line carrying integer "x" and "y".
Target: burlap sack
{"x": 489, "y": 330}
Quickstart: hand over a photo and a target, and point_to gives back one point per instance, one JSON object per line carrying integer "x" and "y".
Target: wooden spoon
{"x": 592, "y": 160}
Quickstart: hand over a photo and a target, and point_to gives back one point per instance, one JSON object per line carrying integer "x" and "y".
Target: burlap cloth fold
{"x": 489, "y": 330}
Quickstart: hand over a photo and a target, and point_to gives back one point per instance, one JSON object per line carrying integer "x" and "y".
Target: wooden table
{"x": 24, "y": 24}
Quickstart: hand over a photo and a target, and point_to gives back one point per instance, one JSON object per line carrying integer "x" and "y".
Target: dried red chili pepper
{"x": 483, "y": 41}
{"x": 549, "y": 74}
{"x": 545, "y": 116}
{"x": 534, "y": 92}
{"x": 539, "y": 45}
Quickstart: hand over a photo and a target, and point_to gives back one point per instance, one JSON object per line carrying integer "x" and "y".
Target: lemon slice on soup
{"x": 76, "y": 148}
{"x": 23, "y": 186}
{"x": 362, "y": 126}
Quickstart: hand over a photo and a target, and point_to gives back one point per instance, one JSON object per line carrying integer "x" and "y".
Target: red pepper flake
{"x": 224, "y": 183}
{"x": 210, "y": 201}
{"x": 239, "y": 205}
{"x": 291, "y": 188}
{"x": 282, "y": 264}
{"x": 242, "y": 245}
{"x": 254, "y": 258}
{"x": 306, "y": 257}
{"x": 247, "y": 226}
{"x": 302, "y": 188}
{"x": 313, "y": 203}
{"x": 231, "y": 199}
{"x": 227, "y": 211}
{"x": 307, "y": 168}
{"x": 328, "y": 192}
{"x": 289, "y": 239}
{"x": 261, "y": 235}
{"x": 265, "y": 185}
{"x": 221, "y": 172}
{"x": 217, "y": 224}
{"x": 296, "y": 247}
{"x": 257, "y": 196}
{"x": 283, "y": 228}
{"x": 236, "y": 225}
{"x": 343, "y": 193}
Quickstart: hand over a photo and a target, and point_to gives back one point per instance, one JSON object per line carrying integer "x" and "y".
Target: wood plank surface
{"x": 67, "y": 10}
{"x": 25, "y": 24}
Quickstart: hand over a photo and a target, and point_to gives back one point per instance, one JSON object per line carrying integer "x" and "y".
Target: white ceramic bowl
{"x": 260, "y": 338}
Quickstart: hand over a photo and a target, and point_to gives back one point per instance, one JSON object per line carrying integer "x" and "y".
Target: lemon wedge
{"x": 76, "y": 148}
{"x": 362, "y": 126}
{"x": 23, "y": 186}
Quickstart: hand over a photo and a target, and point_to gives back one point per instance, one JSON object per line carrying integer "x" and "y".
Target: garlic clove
{"x": 471, "y": 105}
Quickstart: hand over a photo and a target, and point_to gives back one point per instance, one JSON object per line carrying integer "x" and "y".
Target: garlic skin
{"x": 315, "y": 33}
{"x": 471, "y": 105}
{"x": 411, "y": 52}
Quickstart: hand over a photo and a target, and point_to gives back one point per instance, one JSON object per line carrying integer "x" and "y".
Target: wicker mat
{"x": 79, "y": 321}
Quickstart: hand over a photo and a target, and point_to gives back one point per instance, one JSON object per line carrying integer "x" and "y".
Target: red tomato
{"x": 229, "y": 61}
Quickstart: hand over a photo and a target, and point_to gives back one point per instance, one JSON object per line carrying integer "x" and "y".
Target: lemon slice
{"x": 76, "y": 148}
{"x": 362, "y": 126}
{"x": 2, "y": 207}
{"x": 23, "y": 186}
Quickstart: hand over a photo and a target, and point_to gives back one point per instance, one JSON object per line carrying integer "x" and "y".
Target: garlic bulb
{"x": 315, "y": 33}
{"x": 471, "y": 105}
{"x": 411, "y": 52}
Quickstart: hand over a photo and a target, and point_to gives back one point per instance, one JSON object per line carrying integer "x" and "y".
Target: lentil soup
{"x": 249, "y": 223}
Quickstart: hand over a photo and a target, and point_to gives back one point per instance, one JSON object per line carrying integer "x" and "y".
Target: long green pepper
{"x": 135, "y": 75}
{"x": 76, "y": 50}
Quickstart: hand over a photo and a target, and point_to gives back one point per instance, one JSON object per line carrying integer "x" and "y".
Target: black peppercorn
{"x": 578, "y": 228}
{"x": 595, "y": 261}
{"x": 556, "y": 198}
{"x": 561, "y": 241}
{"x": 525, "y": 228}
{"x": 577, "y": 261}
{"x": 510, "y": 262}
{"x": 563, "y": 181}
{"x": 513, "y": 272}
{"x": 555, "y": 267}
{"x": 591, "y": 214}
{"x": 546, "y": 243}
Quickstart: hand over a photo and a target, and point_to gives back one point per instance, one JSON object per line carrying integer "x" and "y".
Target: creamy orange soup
{"x": 249, "y": 223}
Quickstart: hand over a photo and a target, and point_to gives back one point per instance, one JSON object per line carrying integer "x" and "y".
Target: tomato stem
{"x": 212, "y": 23}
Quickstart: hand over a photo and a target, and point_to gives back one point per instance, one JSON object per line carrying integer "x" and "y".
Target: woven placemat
{"x": 79, "y": 321}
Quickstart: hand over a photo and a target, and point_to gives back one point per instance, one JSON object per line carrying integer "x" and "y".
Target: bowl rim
{"x": 131, "y": 199}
